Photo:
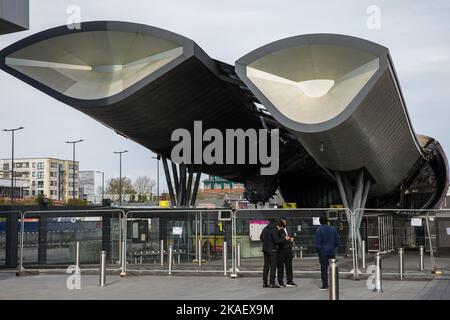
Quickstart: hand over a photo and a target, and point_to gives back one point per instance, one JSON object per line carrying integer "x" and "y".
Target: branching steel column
{"x": 169, "y": 181}
{"x": 175, "y": 180}
{"x": 196, "y": 184}
{"x": 189, "y": 185}
{"x": 182, "y": 196}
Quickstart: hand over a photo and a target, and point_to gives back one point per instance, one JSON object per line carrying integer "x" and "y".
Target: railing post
{"x": 161, "y": 252}
{"x": 102, "y": 281}
{"x": 378, "y": 274}
{"x": 401, "y": 263}
{"x": 170, "y": 259}
{"x": 238, "y": 254}
{"x": 224, "y": 253}
{"x": 199, "y": 246}
{"x": 363, "y": 254}
{"x": 22, "y": 231}
{"x": 77, "y": 257}
{"x": 123, "y": 272}
{"x": 421, "y": 258}
{"x": 333, "y": 272}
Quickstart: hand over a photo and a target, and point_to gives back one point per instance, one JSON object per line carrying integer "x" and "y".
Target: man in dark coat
{"x": 327, "y": 240}
{"x": 284, "y": 256}
{"x": 270, "y": 238}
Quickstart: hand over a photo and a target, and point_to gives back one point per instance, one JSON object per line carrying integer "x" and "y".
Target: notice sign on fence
{"x": 316, "y": 221}
{"x": 177, "y": 231}
{"x": 416, "y": 222}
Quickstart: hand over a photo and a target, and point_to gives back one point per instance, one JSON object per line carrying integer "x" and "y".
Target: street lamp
{"x": 120, "y": 174}
{"x": 157, "y": 158}
{"x": 12, "y": 161}
{"x": 73, "y": 166}
{"x": 103, "y": 184}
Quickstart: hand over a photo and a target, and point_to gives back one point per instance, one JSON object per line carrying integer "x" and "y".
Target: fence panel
{"x": 48, "y": 239}
{"x": 2, "y": 240}
{"x": 302, "y": 224}
{"x": 196, "y": 236}
{"x": 388, "y": 230}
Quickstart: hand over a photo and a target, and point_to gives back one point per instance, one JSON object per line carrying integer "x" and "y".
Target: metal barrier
{"x": 196, "y": 237}
{"x": 102, "y": 281}
{"x": 333, "y": 272}
{"x": 302, "y": 225}
{"x": 388, "y": 230}
{"x": 378, "y": 274}
{"x": 401, "y": 263}
{"x": 4, "y": 216}
{"x": 67, "y": 236}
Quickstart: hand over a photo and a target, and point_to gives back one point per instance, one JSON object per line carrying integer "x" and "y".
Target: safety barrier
{"x": 195, "y": 235}
{"x": 302, "y": 224}
{"x": 197, "y": 238}
{"x": 67, "y": 237}
{"x": 405, "y": 237}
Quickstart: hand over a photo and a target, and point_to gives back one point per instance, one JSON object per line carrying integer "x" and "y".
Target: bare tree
{"x": 144, "y": 185}
{"x": 113, "y": 186}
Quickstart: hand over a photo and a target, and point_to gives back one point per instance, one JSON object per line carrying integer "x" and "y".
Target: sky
{"x": 417, "y": 34}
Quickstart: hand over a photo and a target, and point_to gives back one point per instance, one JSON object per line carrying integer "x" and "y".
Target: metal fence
{"x": 413, "y": 242}
{"x": 302, "y": 225}
{"x": 49, "y": 238}
{"x": 220, "y": 240}
{"x": 195, "y": 236}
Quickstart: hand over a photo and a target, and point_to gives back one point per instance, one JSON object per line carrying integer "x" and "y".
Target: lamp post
{"x": 73, "y": 167}
{"x": 103, "y": 184}
{"x": 12, "y": 161}
{"x": 157, "y": 158}
{"x": 120, "y": 174}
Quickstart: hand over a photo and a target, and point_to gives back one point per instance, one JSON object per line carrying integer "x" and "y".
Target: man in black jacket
{"x": 270, "y": 237}
{"x": 284, "y": 256}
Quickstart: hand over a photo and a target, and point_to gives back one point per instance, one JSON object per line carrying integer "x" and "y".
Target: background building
{"x": 91, "y": 186}
{"x": 218, "y": 184}
{"x": 50, "y": 177}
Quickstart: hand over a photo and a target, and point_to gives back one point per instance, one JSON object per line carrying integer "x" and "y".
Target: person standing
{"x": 270, "y": 238}
{"x": 327, "y": 240}
{"x": 284, "y": 256}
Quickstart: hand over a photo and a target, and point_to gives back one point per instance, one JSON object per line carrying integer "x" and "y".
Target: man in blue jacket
{"x": 327, "y": 240}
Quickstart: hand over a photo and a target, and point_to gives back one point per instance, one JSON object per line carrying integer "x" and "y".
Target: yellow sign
{"x": 337, "y": 206}
{"x": 164, "y": 203}
{"x": 290, "y": 205}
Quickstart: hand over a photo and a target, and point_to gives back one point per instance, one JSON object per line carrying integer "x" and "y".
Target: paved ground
{"x": 53, "y": 287}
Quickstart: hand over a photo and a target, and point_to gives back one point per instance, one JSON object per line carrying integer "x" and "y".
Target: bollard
{"x": 161, "y": 252}
{"x": 333, "y": 275}
{"x": 102, "y": 281}
{"x": 170, "y": 259}
{"x": 421, "y": 258}
{"x": 401, "y": 263}
{"x": 378, "y": 274}
{"x": 224, "y": 253}
{"x": 199, "y": 246}
{"x": 363, "y": 254}
{"x": 238, "y": 254}
{"x": 77, "y": 258}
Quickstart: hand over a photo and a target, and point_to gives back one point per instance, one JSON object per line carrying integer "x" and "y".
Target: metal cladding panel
{"x": 14, "y": 15}
{"x": 376, "y": 136}
{"x": 191, "y": 87}
{"x": 365, "y": 125}
{"x": 187, "y": 93}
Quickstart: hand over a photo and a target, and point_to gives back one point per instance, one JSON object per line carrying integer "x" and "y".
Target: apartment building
{"x": 50, "y": 177}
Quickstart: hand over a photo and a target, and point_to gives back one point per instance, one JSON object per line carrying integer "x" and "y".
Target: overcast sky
{"x": 416, "y": 32}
